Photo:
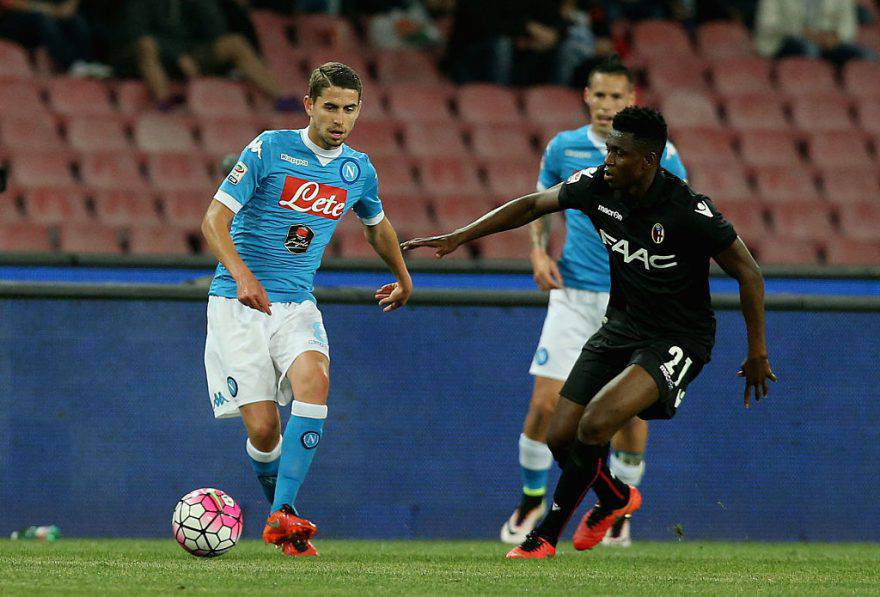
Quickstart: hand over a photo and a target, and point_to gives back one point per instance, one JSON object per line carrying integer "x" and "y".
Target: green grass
{"x": 437, "y": 567}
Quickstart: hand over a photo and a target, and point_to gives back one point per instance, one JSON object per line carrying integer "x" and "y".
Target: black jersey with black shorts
{"x": 660, "y": 313}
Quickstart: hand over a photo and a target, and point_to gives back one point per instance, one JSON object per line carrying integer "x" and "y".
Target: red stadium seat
{"x": 271, "y": 29}
{"x": 501, "y": 142}
{"x": 217, "y": 98}
{"x": 133, "y": 97}
{"x": 668, "y": 77}
{"x": 802, "y": 219}
{"x": 755, "y": 112}
{"x": 123, "y": 208}
{"x": 798, "y": 77}
{"x": 729, "y": 182}
{"x": 289, "y": 120}
{"x": 869, "y": 35}
{"x": 781, "y": 250}
{"x": 510, "y": 244}
{"x": 35, "y": 169}
{"x": 90, "y": 133}
{"x": 839, "y": 149}
{"x": 554, "y": 105}
{"x": 689, "y": 109}
{"x": 409, "y": 206}
{"x": 158, "y": 133}
{"x": 349, "y": 242}
{"x": 860, "y": 221}
{"x": 184, "y": 209}
{"x": 454, "y": 211}
{"x": 24, "y": 237}
{"x": 316, "y": 30}
{"x": 89, "y": 238}
{"x": 654, "y": 38}
{"x": 711, "y": 147}
{"x": 480, "y": 103}
{"x": 376, "y": 138}
{"x": 862, "y": 79}
{"x": 225, "y": 136}
{"x": 29, "y": 133}
{"x": 14, "y": 62}
{"x": 285, "y": 65}
{"x": 844, "y": 184}
{"x": 822, "y": 113}
{"x": 511, "y": 178}
{"x": 79, "y": 97}
{"x": 395, "y": 176}
{"x": 21, "y": 99}
{"x": 450, "y": 176}
{"x": 56, "y": 206}
{"x": 792, "y": 183}
{"x": 869, "y": 117}
{"x": 768, "y": 148}
{"x": 9, "y": 211}
{"x": 406, "y": 66}
{"x": 180, "y": 172}
{"x": 742, "y": 76}
{"x": 748, "y": 220}
{"x": 847, "y": 251}
{"x": 434, "y": 139}
{"x": 723, "y": 39}
{"x": 420, "y": 103}
{"x": 111, "y": 171}
{"x": 157, "y": 240}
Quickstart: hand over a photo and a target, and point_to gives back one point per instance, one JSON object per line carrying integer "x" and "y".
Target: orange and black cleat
{"x": 298, "y": 548}
{"x": 284, "y": 525}
{"x": 598, "y": 520}
{"x": 534, "y": 548}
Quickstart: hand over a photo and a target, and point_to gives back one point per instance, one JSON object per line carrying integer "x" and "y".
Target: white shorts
{"x": 248, "y": 353}
{"x": 572, "y": 317}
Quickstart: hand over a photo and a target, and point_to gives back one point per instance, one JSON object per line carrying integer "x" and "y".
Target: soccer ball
{"x": 207, "y": 522}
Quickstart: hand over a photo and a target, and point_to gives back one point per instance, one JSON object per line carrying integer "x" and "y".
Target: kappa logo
{"x": 704, "y": 210}
{"x": 293, "y": 160}
{"x": 649, "y": 261}
{"x": 237, "y": 173}
{"x": 256, "y": 146}
{"x": 219, "y": 399}
{"x": 610, "y": 212}
{"x": 316, "y": 199}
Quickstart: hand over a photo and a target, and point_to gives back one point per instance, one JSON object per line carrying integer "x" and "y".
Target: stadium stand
{"x": 111, "y": 170}
{"x": 95, "y": 133}
{"x": 434, "y": 139}
{"x": 56, "y": 206}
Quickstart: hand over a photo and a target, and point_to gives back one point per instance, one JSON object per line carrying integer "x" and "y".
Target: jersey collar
{"x": 596, "y": 140}
{"x": 325, "y": 156}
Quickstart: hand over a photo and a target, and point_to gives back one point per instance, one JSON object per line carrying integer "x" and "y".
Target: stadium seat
{"x": 34, "y": 169}
{"x": 844, "y": 184}
{"x": 406, "y": 66}
{"x": 860, "y": 221}
{"x": 847, "y": 251}
{"x": 111, "y": 170}
{"x": 781, "y": 250}
{"x": 157, "y": 240}
{"x": 791, "y": 183}
{"x": 348, "y": 241}
{"x": 24, "y": 237}
{"x": 511, "y": 178}
{"x": 133, "y": 97}
{"x": 376, "y": 138}
{"x": 838, "y": 149}
{"x": 225, "y": 136}
{"x": 501, "y": 142}
{"x": 157, "y": 133}
{"x": 289, "y": 120}
{"x": 768, "y": 148}
{"x": 434, "y": 140}
{"x": 420, "y": 103}
{"x": 658, "y": 38}
{"x": 689, "y": 109}
{"x": 184, "y": 209}
{"x": 29, "y": 133}
{"x": 89, "y": 238}
{"x": 450, "y": 176}
{"x": 79, "y": 97}
{"x": 9, "y": 211}
{"x": 180, "y": 172}
{"x": 94, "y": 133}
{"x": 510, "y": 244}
{"x": 755, "y": 112}
{"x": 14, "y": 62}
{"x": 21, "y": 99}
{"x": 214, "y": 97}
{"x": 723, "y": 39}
{"x": 869, "y": 35}
{"x": 271, "y": 29}
{"x": 395, "y": 176}
{"x": 742, "y": 76}
{"x": 454, "y": 211}
{"x": 317, "y": 30}
{"x": 408, "y": 213}
{"x": 554, "y": 105}
{"x": 123, "y": 208}
{"x": 822, "y": 113}
{"x": 706, "y": 147}
{"x": 869, "y": 117}
{"x": 748, "y": 220}
{"x": 861, "y": 79}
{"x": 798, "y": 77}
{"x": 55, "y": 206}
{"x": 481, "y": 103}
{"x": 285, "y": 65}
{"x": 729, "y": 183}
{"x": 668, "y": 77}
{"x": 802, "y": 219}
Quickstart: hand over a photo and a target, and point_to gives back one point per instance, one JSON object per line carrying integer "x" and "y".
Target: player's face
{"x": 607, "y": 95}
{"x": 626, "y": 165}
{"x": 333, "y": 114}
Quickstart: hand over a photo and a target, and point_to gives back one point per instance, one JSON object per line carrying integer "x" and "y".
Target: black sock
{"x": 528, "y": 503}
{"x": 580, "y": 471}
{"x": 612, "y": 492}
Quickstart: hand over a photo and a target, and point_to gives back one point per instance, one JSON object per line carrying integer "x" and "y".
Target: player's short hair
{"x": 333, "y": 74}
{"x": 611, "y": 66}
{"x": 646, "y": 125}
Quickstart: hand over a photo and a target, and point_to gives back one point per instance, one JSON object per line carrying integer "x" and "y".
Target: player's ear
{"x": 308, "y": 104}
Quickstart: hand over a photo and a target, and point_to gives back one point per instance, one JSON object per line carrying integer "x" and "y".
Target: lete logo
{"x": 313, "y": 198}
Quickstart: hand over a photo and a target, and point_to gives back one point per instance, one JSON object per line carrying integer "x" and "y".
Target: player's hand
{"x": 445, "y": 244}
{"x": 252, "y": 294}
{"x": 546, "y": 272}
{"x": 757, "y": 371}
{"x": 393, "y": 296}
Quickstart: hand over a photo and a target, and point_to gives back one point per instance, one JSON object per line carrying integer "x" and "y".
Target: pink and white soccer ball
{"x": 207, "y": 522}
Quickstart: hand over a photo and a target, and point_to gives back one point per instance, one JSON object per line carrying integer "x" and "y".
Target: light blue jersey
{"x": 288, "y": 195}
{"x": 584, "y": 262}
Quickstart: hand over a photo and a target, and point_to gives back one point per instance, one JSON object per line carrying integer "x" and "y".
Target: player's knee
{"x": 595, "y": 428}
{"x": 559, "y": 447}
{"x": 315, "y": 385}
{"x": 543, "y": 406}
{"x": 264, "y": 435}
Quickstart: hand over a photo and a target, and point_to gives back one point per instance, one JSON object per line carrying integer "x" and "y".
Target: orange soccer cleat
{"x": 298, "y": 548}
{"x": 285, "y": 525}
{"x": 598, "y": 520}
{"x": 534, "y": 548}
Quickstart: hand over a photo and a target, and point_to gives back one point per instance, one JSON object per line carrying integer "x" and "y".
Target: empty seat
{"x": 511, "y": 178}
{"x": 317, "y": 30}
{"x": 667, "y": 77}
{"x": 802, "y": 219}
{"x": 271, "y": 29}
{"x": 728, "y": 182}
{"x": 19, "y": 132}
{"x": 501, "y": 142}
{"x": 768, "y": 148}
{"x": 111, "y": 171}
{"x": 409, "y": 214}
{"x": 406, "y": 66}
{"x": 781, "y": 250}
{"x": 862, "y": 79}
{"x": 841, "y": 149}
{"x": 79, "y": 97}
{"x": 860, "y": 221}
{"x": 375, "y": 138}
{"x": 217, "y": 98}
{"x": 454, "y": 211}
{"x": 510, "y": 244}
{"x": 55, "y": 206}
{"x": 156, "y": 133}
{"x": 554, "y": 105}
{"x": 698, "y": 146}
{"x": 31, "y": 169}
{"x": 14, "y": 61}
{"x": 822, "y": 113}
{"x": 123, "y": 208}
{"x": 224, "y": 136}
{"x": 480, "y": 103}
{"x": 420, "y": 103}
{"x": 395, "y": 176}
{"x": 21, "y": 99}
{"x": 798, "y": 77}
{"x": 742, "y": 76}
{"x": 792, "y": 183}
{"x": 89, "y": 238}
{"x": 847, "y": 251}
{"x": 689, "y": 109}
{"x": 869, "y": 117}
{"x": 844, "y": 184}
{"x": 434, "y": 139}
{"x": 755, "y": 112}
{"x": 184, "y": 209}
{"x": 24, "y": 237}
{"x": 9, "y": 211}
{"x": 723, "y": 39}
{"x": 158, "y": 240}
{"x": 289, "y": 120}
{"x": 133, "y": 97}
{"x": 448, "y": 176}
{"x": 653, "y": 38}
{"x": 285, "y": 65}
{"x": 90, "y": 133}
{"x": 180, "y": 172}
{"x": 746, "y": 219}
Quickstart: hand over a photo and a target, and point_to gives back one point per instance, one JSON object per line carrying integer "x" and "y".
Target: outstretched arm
{"x": 739, "y": 264}
{"x": 512, "y": 214}
{"x": 383, "y": 239}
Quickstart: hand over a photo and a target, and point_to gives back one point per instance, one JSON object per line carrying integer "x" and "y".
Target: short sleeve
{"x": 549, "y": 174}
{"x": 712, "y": 231}
{"x": 246, "y": 175}
{"x": 672, "y": 162}
{"x": 577, "y": 191}
{"x": 368, "y": 206}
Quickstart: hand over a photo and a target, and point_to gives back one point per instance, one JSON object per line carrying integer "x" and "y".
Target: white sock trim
{"x": 534, "y": 455}
{"x": 275, "y": 454}
{"x": 631, "y": 474}
{"x": 308, "y": 410}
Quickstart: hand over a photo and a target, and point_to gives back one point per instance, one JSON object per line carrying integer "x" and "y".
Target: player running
{"x": 659, "y": 328}
{"x": 266, "y": 341}
{"x": 578, "y": 297}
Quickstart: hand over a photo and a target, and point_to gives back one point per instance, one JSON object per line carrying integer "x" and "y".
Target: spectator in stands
{"x": 397, "y": 24}
{"x": 57, "y": 25}
{"x": 189, "y": 38}
{"x": 813, "y": 28}
{"x": 636, "y": 10}
{"x": 585, "y": 43}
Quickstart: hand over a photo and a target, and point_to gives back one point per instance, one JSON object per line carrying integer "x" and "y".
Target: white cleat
{"x": 513, "y": 533}
{"x": 618, "y": 534}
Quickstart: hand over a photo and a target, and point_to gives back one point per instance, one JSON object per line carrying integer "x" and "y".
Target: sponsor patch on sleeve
{"x": 577, "y": 175}
{"x": 237, "y": 172}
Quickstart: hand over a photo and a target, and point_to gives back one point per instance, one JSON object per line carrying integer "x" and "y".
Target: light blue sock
{"x": 535, "y": 461}
{"x": 303, "y": 433}
{"x": 265, "y": 465}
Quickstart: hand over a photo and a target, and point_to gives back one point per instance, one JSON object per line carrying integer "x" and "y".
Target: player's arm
{"x": 215, "y": 229}
{"x": 739, "y": 264}
{"x": 544, "y": 269}
{"x": 512, "y": 214}
{"x": 383, "y": 239}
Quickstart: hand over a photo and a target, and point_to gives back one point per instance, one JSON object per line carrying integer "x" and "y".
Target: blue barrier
{"x": 105, "y": 422}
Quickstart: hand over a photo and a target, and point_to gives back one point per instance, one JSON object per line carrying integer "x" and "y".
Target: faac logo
{"x": 649, "y": 261}
{"x": 313, "y": 198}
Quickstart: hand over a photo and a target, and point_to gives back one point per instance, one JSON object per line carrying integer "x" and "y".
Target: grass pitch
{"x": 98, "y": 567}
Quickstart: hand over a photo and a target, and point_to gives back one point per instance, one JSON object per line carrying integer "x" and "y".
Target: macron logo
{"x": 610, "y": 212}
{"x": 703, "y": 209}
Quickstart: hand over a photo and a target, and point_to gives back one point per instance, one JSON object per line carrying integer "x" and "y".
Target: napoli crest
{"x": 349, "y": 171}
{"x": 310, "y": 439}
{"x": 232, "y": 385}
{"x": 658, "y": 233}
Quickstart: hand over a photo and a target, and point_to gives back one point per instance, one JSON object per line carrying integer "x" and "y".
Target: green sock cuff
{"x": 535, "y": 492}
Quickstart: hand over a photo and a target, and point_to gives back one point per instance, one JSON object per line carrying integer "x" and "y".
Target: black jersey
{"x": 659, "y": 248}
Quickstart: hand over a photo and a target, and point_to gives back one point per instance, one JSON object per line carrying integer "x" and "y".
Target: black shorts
{"x": 671, "y": 365}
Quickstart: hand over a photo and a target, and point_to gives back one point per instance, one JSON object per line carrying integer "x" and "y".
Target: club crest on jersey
{"x": 310, "y": 439}
{"x": 232, "y": 385}
{"x": 312, "y": 198}
{"x": 349, "y": 171}
{"x": 299, "y": 237}
{"x": 238, "y": 171}
{"x": 658, "y": 233}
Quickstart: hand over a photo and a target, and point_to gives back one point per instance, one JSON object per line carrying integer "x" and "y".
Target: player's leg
{"x": 235, "y": 48}
{"x": 263, "y": 425}
{"x": 627, "y": 464}
{"x": 152, "y": 71}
